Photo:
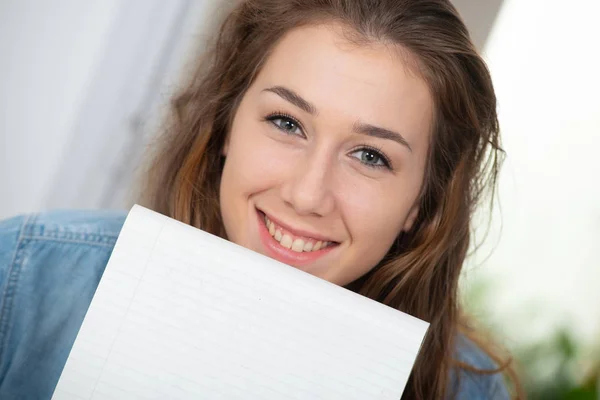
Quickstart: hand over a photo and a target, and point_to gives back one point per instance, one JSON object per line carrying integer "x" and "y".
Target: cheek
{"x": 376, "y": 210}
{"x": 374, "y": 217}
{"x": 254, "y": 163}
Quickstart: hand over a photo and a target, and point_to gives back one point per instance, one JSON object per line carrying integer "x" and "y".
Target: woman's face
{"x": 326, "y": 155}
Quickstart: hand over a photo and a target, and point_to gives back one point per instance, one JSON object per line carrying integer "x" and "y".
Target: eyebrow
{"x": 375, "y": 131}
{"x": 359, "y": 127}
{"x": 293, "y": 97}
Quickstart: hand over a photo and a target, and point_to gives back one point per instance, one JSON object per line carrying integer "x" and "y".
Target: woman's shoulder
{"x": 50, "y": 266}
{"x": 466, "y": 382}
{"x": 56, "y": 236}
{"x": 88, "y": 226}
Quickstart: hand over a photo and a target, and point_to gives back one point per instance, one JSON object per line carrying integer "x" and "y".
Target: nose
{"x": 308, "y": 189}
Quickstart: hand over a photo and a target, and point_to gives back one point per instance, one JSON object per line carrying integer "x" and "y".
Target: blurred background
{"x": 84, "y": 86}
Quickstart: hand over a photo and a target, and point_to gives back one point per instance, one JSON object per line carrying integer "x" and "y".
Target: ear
{"x": 411, "y": 218}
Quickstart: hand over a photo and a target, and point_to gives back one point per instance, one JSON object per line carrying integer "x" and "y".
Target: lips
{"x": 294, "y": 242}
{"x": 289, "y": 246}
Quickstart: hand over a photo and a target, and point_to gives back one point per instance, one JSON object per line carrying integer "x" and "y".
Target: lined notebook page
{"x": 182, "y": 314}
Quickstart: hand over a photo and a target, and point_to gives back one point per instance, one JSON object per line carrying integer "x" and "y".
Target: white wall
{"x": 479, "y": 16}
{"x": 545, "y": 64}
{"x": 48, "y": 51}
{"x": 79, "y": 80}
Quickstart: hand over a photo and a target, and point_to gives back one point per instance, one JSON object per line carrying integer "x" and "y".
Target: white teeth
{"x": 298, "y": 245}
{"x": 308, "y": 246}
{"x": 286, "y": 241}
{"x": 271, "y": 228}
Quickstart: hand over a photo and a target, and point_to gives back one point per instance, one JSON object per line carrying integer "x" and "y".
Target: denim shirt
{"x": 50, "y": 266}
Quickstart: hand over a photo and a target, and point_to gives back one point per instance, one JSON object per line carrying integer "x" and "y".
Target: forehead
{"x": 374, "y": 83}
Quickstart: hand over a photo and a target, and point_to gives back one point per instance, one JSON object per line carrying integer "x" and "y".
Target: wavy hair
{"x": 420, "y": 273}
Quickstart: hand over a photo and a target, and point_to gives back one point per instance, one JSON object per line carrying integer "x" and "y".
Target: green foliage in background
{"x": 554, "y": 368}
{"x": 550, "y": 370}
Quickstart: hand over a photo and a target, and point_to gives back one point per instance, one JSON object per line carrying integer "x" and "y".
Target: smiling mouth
{"x": 288, "y": 240}
{"x": 290, "y": 247}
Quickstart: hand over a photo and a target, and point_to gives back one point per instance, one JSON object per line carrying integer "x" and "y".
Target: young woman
{"x": 350, "y": 139}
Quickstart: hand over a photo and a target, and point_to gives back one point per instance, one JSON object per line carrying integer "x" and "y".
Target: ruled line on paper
{"x": 197, "y": 316}
{"x": 137, "y": 284}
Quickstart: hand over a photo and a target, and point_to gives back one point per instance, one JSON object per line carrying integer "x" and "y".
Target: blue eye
{"x": 286, "y": 124}
{"x": 371, "y": 157}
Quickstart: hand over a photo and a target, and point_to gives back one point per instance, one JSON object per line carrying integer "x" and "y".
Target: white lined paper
{"x": 181, "y": 314}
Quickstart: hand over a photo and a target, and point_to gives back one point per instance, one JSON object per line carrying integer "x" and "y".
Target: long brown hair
{"x": 420, "y": 273}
